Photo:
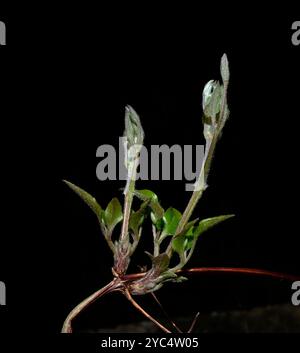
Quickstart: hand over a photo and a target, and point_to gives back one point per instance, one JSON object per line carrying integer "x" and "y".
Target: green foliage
{"x": 171, "y": 221}
{"x": 181, "y": 242}
{"x": 113, "y": 214}
{"x": 137, "y": 218}
{"x": 208, "y": 223}
{"x": 187, "y": 239}
{"x": 151, "y": 197}
{"x": 88, "y": 199}
{"x": 181, "y": 232}
{"x": 161, "y": 263}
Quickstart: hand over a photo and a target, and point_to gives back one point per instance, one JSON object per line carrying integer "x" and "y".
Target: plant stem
{"x": 141, "y": 310}
{"x": 129, "y": 192}
{"x": 194, "y": 322}
{"x": 110, "y": 287}
{"x": 198, "y": 192}
{"x": 123, "y": 248}
{"x": 156, "y": 241}
{"x": 109, "y": 241}
{"x": 201, "y": 181}
{"x": 127, "y": 210}
{"x": 226, "y": 270}
{"x": 119, "y": 284}
{"x": 165, "y": 313}
{"x": 245, "y": 271}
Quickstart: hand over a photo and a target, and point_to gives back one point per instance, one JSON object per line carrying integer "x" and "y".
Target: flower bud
{"x": 134, "y": 132}
{"x": 211, "y": 99}
{"x": 224, "y": 68}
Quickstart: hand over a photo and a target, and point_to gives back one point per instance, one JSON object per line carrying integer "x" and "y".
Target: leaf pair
{"x": 113, "y": 214}
{"x": 188, "y": 237}
{"x": 137, "y": 218}
{"x": 157, "y": 212}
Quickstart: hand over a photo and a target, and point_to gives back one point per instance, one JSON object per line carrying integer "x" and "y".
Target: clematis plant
{"x": 168, "y": 225}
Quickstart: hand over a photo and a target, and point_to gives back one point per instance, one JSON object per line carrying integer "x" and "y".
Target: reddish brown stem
{"x": 165, "y": 313}
{"x": 141, "y": 310}
{"x": 119, "y": 284}
{"x": 245, "y": 271}
{"x": 110, "y": 287}
{"x": 226, "y": 270}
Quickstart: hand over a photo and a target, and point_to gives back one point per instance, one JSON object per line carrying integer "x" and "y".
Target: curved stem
{"x": 140, "y": 309}
{"x": 119, "y": 284}
{"x": 226, "y": 270}
{"x": 110, "y": 287}
{"x": 245, "y": 271}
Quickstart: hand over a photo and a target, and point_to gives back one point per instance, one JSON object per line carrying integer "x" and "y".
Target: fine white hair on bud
{"x": 133, "y": 128}
{"x": 224, "y": 68}
{"x": 212, "y": 97}
{"x": 207, "y": 93}
{"x": 133, "y": 142}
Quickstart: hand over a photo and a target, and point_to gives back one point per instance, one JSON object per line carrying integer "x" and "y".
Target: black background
{"x": 66, "y": 76}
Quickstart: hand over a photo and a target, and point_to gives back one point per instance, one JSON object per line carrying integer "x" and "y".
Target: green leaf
{"x": 180, "y": 242}
{"x": 208, "y": 223}
{"x": 148, "y": 195}
{"x": 187, "y": 238}
{"x": 171, "y": 219}
{"x": 88, "y": 199}
{"x": 184, "y": 239}
{"x": 113, "y": 214}
{"x": 188, "y": 227}
{"x": 161, "y": 263}
{"x": 137, "y": 218}
{"x": 159, "y": 223}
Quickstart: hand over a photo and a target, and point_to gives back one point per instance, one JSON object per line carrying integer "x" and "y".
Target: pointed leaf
{"x": 136, "y": 220}
{"x": 187, "y": 238}
{"x": 159, "y": 223}
{"x": 113, "y": 214}
{"x": 88, "y": 199}
{"x": 171, "y": 219}
{"x": 182, "y": 242}
{"x": 188, "y": 228}
{"x": 178, "y": 244}
{"x": 161, "y": 263}
{"x": 208, "y": 223}
{"x": 148, "y": 195}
